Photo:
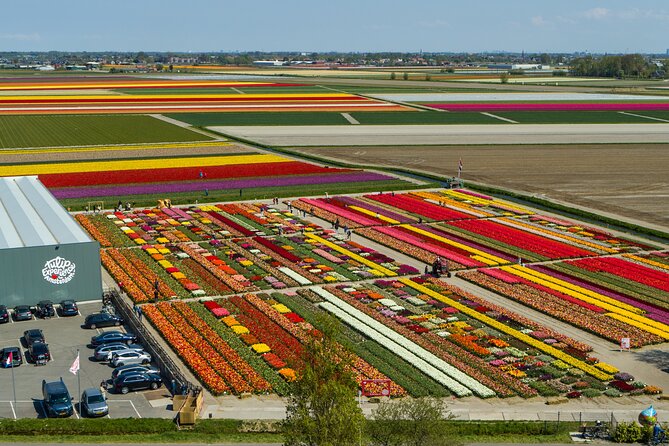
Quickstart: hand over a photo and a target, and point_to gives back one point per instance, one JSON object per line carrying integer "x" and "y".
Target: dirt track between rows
{"x": 629, "y": 180}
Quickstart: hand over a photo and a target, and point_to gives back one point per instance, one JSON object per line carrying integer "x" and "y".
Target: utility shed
{"x": 44, "y": 253}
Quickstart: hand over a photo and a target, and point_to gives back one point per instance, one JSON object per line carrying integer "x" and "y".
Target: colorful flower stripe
{"x": 134, "y": 83}
{"x": 150, "y": 98}
{"x": 445, "y": 201}
{"x": 590, "y": 370}
{"x": 535, "y": 243}
{"x": 629, "y": 270}
{"x": 156, "y": 163}
{"x": 456, "y": 237}
{"x": 277, "y": 249}
{"x": 420, "y": 207}
{"x": 351, "y": 201}
{"x": 340, "y": 211}
{"x": 574, "y": 106}
{"x": 554, "y": 234}
{"x": 92, "y": 229}
{"x": 647, "y": 261}
{"x": 484, "y": 257}
{"x": 237, "y": 362}
{"x": 202, "y": 369}
{"x": 487, "y": 201}
{"x": 158, "y": 175}
{"x": 352, "y": 255}
{"x": 227, "y": 222}
{"x": 195, "y": 186}
{"x": 122, "y": 278}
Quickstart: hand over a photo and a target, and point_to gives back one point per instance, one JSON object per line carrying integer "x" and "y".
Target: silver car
{"x": 125, "y": 357}
{"x": 93, "y": 403}
{"x": 104, "y": 352}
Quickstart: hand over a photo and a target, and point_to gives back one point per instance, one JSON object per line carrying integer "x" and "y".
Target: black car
{"x": 102, "y": 320}
{"x": 109, "y": 337}
{"x": 68, "y": 308}
{"x": 33, "y": 335}
{"x": 39, "y": 353}
{"x": 22, "y": 313}
{"x": 17, "y": 359}
{"x": 45, "y": 309}
{"x": 133, "y": 368}
{"x": 126, "y": 382}
{"x": 4, "y": 314}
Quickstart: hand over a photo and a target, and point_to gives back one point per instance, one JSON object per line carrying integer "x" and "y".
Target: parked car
{"x": 126, "y": 357}
{"x": 110, "y": 337}
{"x": 33, "y": 335}
{"x": 104, "y": 352}
{"x": 57, "y": 400}
{"x": 68, "y": 308}
{"x": 102, "y": 320}
{"x": 39, "y": 353}
{"x": 133, "y": 368}
{"x": 126, "y": 382}
{"x": 22, "y": 313}
{"x": 45, "y": 309}
{"x": 4, "y": 314}
{"x": 17, "y": 358}
{"x": 93, "y": 403}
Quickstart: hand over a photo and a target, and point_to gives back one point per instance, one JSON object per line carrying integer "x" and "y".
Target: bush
{"x": 628, "y": 433}
{"x": 612, "y": 393}
{"x": 591, "y": 393}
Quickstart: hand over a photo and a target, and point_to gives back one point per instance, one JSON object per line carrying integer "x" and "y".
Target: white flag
{"x": 75, "y": 365}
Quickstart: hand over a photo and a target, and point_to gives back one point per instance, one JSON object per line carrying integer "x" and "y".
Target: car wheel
{"x": 154, "y": 386}
{"x": 117, "y": 323}
{"x": 120, "y": 364}
{"x": 93, "y": 326}
{"x": 145, "y": 361}
{"x": 124, "y": 390}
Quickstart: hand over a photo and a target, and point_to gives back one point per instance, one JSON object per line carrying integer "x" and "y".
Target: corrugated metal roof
{"x": 31, "y": 216}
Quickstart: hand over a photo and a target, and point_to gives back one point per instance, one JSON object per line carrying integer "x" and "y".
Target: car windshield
{"x": 95, "y": 399}
{"x": 39, "y": 348}
{"x": 59, "y": 398}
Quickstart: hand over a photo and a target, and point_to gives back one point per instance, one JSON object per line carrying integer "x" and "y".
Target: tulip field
{"x": 237, "y": 289}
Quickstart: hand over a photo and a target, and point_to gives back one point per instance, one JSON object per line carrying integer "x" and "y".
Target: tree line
{"x": 627, "y": 65}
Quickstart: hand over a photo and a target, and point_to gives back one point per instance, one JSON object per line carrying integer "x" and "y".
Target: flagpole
{"x": 79, "y": 382}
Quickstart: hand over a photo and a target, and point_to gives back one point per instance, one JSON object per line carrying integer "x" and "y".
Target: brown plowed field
{"x": 631, "y": 180}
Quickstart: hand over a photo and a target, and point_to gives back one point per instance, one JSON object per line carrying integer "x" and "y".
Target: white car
{"x": 125, "y": 357}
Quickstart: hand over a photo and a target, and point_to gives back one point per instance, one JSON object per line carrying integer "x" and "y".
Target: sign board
{"x": 624, "y": 344}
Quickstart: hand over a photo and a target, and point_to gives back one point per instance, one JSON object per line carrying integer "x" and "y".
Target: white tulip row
{"x": 295, "y": 276}
{"x": 459, "y": 383}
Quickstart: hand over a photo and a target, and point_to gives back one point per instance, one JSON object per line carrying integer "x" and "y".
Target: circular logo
{"x": 58, "y": 271}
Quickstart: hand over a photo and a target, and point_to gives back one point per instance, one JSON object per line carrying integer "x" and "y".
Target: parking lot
{"x": 65, "y": 336}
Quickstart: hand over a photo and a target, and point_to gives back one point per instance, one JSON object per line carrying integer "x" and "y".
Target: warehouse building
{"x": 44, "y": 253}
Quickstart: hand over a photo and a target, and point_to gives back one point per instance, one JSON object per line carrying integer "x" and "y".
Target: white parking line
{"x": 134, "y": 408}
{"x": 13, "y": 411}
{"x": 74, "y": 409}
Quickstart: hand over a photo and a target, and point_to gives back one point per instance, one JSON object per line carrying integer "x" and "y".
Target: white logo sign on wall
{"x": 58, "y": 271}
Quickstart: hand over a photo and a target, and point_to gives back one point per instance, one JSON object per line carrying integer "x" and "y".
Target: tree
{"x": 322, "y": 409}
{"x": 504, "y": 78}
{"x": 393, "y": 76}
{"x": 405, "y": 76}
{"x": 410, "y": 422}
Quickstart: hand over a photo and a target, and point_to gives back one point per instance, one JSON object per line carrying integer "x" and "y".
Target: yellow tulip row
{"x": 158, "y": 163}
{"x": 376, "y": 268}
{"x": 570, "y": 289}
{"x": 479, "y": 255}
{"x": 452, "y": 203}
{"x": 552, "y": 351}
{"x": 647, "y": 261}
{"x": 485, "y": 202}
{"x": 640, "y": 324}
{"x": 392, "y": 221}
{"x": 195, "y": 97}
{"x": 112, "y": 85}
{"x": 517, "y": 222}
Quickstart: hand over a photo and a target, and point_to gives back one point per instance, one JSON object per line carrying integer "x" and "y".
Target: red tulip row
{"x": 629, "y": 270}
{"x": 122, "y": 276}
{"x": 415, "y": 205}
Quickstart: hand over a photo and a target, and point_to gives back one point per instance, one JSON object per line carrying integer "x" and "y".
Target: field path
{"x": 187, "y": 126}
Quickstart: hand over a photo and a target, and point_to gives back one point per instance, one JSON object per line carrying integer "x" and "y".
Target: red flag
{"x": 10, "y": 360}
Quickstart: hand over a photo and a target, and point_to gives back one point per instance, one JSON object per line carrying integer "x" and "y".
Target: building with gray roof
{"x": 44, "y": 253}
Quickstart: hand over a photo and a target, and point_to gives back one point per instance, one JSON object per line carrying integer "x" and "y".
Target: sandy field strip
{"x": 629, "y": 180}
{"x": 366, "y": 135}
{"x": 512, "y": 97}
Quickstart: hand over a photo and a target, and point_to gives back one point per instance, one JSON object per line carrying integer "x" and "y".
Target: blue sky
{"x": 335, "y": 25}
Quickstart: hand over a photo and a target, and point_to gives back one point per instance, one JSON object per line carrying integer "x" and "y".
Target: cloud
{"x": 538, "y": 21}
{"x": 34, "y": 37}
{"x": 597, "y": 13}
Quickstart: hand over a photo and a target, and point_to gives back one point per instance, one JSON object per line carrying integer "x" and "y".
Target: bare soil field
{"x": 629, "y": 180}
{"x": 369, "y": 135}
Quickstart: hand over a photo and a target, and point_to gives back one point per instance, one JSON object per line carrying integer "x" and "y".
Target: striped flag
{"x": 75, "y": 365}
{"x": 459, "y": 167}
{"x": 10, "y": 360}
